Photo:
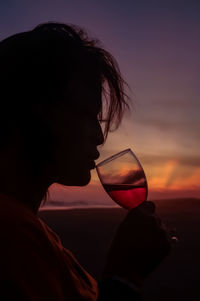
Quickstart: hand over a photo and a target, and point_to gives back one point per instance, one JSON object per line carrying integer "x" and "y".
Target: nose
{"x": 99, "y": 137}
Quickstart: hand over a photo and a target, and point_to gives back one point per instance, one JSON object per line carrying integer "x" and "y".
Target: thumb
{"x": 147, "y": 207}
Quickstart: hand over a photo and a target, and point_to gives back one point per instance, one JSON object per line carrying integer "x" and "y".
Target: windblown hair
{"x": 35, "y": 66}
{"x": 37, "y": 63}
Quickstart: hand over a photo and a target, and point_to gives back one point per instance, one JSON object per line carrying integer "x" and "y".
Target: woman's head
{"x": 51, "y": 70}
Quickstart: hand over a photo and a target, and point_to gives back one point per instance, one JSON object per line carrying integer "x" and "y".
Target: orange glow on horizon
{"x": 163, "y": 174}
{"x": 163, "y": 183}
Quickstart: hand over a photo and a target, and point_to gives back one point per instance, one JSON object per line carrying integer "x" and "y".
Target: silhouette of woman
{"x": 52, "y": 79}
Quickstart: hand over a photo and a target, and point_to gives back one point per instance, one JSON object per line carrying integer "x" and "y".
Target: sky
{"x": 157, "y": 46}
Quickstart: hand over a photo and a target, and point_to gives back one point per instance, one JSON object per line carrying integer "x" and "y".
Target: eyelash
{"x": 96, "y": 118}
{"x": 102, "y": 120}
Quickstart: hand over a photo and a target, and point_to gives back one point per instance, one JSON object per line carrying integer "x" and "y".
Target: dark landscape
{"x": 88, "y": 232}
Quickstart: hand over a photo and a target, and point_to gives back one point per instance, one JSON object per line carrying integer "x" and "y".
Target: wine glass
{"x": 123, "y": 178}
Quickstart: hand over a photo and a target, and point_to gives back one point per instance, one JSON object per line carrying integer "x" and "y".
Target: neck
{"x": 18, "y": 180}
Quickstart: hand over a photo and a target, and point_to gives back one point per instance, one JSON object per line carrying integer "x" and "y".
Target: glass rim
{"x": 117, "y": 155}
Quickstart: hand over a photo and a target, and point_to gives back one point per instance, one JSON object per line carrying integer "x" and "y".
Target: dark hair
{"x": 34, "y": 67}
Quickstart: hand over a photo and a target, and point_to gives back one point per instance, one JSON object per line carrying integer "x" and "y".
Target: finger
{"x": 148, "y": 207}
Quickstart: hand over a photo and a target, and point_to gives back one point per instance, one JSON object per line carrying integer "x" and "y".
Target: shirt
{"x": 34, "y": 265}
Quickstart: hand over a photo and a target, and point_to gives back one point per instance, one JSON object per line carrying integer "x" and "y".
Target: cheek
{"x": 78, "y": 178}
{"x": 71, "y": 159}
{"x": 71, "y": 149}
{"x": 74, "y": 146}
{"x": 72, "y": 169}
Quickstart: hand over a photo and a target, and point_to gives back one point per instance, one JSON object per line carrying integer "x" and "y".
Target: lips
{"x": 95, "y": 155}
{"x": 92, "y": 165}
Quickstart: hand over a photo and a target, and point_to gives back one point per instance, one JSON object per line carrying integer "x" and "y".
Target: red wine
{"x": 127, "y": 195}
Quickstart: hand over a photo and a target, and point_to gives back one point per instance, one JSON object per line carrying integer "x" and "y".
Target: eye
{"x": 102, "y": 120}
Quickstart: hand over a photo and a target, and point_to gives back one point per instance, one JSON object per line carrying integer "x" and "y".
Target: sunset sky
{"x": 157, "y": 46}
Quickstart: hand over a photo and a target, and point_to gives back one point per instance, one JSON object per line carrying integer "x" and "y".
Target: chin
{"x": 78, "y": 180}
{"x": 82, "y": 181}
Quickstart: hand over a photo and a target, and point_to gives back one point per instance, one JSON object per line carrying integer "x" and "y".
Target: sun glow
{"x": 163, "y": 174}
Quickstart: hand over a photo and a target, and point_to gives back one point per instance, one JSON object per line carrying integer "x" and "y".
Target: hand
{"x": 140, "y": 244}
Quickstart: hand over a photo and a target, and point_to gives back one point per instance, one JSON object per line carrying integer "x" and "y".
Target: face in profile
{"x": 77, "y": 132}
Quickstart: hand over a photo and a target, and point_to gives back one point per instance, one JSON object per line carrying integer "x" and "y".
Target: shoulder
{"x": 20, "y": 230}
{"x": 28, "y": 263}
{"x": 25, "y": 247}
{"x": 15, "y": 217}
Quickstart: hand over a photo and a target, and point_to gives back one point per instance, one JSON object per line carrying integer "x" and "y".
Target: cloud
{"x": 184, "y": 160}
{"x": 136, "y": 177}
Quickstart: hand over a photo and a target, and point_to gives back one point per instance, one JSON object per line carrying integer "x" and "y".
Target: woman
{"x": 52, "y": 81}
